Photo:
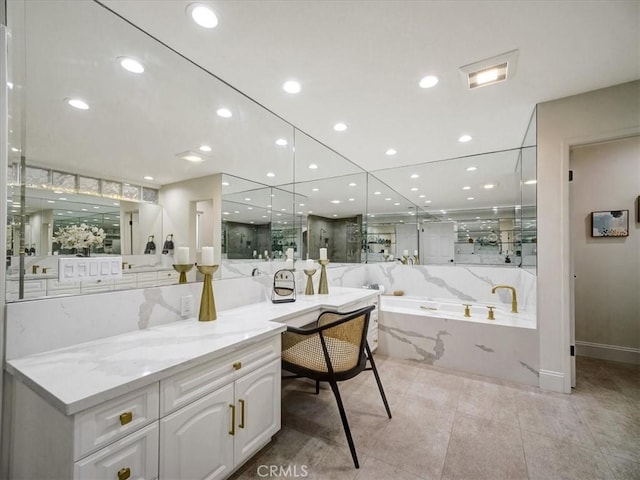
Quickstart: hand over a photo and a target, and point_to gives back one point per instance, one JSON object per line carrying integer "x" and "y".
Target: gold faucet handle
{"x": 491, "y": 317}
{"x": 467, "y": 311}
{"x": 44, "y": 270}
{"x": 34, "y": 268}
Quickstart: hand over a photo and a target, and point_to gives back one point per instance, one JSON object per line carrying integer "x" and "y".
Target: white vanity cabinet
{"x": 212, "y": 436}
{"x": 199, "y": 423}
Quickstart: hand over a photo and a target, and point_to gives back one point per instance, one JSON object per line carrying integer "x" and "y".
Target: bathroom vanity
{"x": 186, "y": 399}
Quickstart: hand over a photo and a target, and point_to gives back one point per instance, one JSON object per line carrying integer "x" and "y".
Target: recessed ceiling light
{"x": 202, "y": 15}
{"x": 271, "y": 174}
{"x": 352, "y": 199}
{"x": 470, "y": 198}
{"x": 281, "y": 142}
{"x": 465, "y": 138}
{"x": 77, "y": 103}
{"x": 352, "y": 184}
{"x": 471, "y": 169}
{"x": 190, "y": 156}
{"x": 414, "y": 189}
{"x": 443, "y": 211}
{"x": 283, "y": 209}
{"x": 247, "y": 199}
{"x": 531, "y": 182}
{"x": 339, "y": 127}
{"x": 205, "y": 148}
{"x": 62, "y": 198}
{"x": 236, "y": 211}
{"x": 225, "y": 184}
{"x": 335, "y": 201}
{"x": 415, "y": 175}
{"x": 225, "y": 213}
{"x": 466, "y": 187}
{"x": 131, "y": 65}
{"x": 421, "y": 196}
{"x": 377, "y": 193}
{"x": 301, "y": 205}
{"x": 51, "y": 201}
{"x": 428, "y": 81}
{"x": 224, "y": 112}
{"x": 489, "y": 186}
{"x": 388, "y": 199}
{"x": 397, "y": 203}
{"x": 148, "y": 177}
{"x": 291, "y": 86}
{"x": 95, "y": 206}
{"x": 14, "y": 149}
{"x": 84, "y": 209}
{"x": 335, "y": 214}
{"x": 391, "y": 151}
{"x": 313, "y": 166}
{"x": 315, "y": 189}
{"x": 57, "y": 192}
{"x": 249, "y": 208}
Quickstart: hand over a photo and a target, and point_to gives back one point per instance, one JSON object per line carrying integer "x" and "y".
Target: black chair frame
{"x": 331, "y": 376}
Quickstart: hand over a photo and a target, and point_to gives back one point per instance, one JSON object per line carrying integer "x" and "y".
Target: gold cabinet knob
{"x": 126, "y": 417}
{"x": 237, "y": 365}
{"x": 124, "y": 473}
{"x": 491, "y": 316}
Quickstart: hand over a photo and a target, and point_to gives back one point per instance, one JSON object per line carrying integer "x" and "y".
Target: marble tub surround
{"x": 497, "y": 351}
{"x": 466, "y": 284}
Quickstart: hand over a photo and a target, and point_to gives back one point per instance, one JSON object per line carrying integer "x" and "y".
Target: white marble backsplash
{"x": 467, "y": 284}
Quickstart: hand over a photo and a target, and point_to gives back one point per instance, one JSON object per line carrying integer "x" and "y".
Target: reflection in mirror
{"x": 478, "y": 215}
{"x": 391, "y": 229}
{"x": 330, "y": 201}
{"x": 166, "y": 136}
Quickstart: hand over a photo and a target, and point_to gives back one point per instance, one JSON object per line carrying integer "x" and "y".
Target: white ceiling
{"x": 360, "y": 62}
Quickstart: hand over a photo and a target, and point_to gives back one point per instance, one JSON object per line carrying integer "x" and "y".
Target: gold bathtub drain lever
{"x": 467, "y": 309}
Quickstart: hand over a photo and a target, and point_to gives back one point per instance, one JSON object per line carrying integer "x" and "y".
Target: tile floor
{"x": 450, "y": 425}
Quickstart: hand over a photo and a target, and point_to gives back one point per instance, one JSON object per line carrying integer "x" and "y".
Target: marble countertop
{"x": 84, "y": 375}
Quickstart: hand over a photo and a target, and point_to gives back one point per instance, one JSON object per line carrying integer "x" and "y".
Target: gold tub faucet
{"x": 514, "y": 298}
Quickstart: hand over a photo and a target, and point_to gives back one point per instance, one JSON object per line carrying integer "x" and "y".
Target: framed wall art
{"x": 614, "y": 223}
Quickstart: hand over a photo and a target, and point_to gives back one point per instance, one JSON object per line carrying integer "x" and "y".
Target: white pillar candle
{"x": 255, "y": 253}
{"x": 290, "y": 253}
{"x": 266, "y": 253}
{"x": 309, "y": 264}
{"x": 323, "y": 254}
{"x": 288, "y": 263}
{"x": 415, "y": 253}
{"x": 405, "y": 253}
{"x": 207, "y": 256}
{"x": 182, "y": 255}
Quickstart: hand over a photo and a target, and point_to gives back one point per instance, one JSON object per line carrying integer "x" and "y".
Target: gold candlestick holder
{"x": 416, "y": 260}
{"x": 404, "y": 259}
{"x": 323, "y": 286}
{"x": 207, "y": 302}
{"x": 183, "y": 269}
{"x": 309, "y": 274}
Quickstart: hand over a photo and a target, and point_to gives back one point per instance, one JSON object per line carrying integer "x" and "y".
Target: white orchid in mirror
{"x": 79, "y": 237}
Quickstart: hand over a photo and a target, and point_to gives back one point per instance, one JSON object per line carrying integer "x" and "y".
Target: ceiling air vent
{"x": 491, "y": 70}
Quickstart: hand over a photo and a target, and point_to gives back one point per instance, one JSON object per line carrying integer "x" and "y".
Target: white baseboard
{"x": 608, "y": 352}
{"x": 551, "y": 380}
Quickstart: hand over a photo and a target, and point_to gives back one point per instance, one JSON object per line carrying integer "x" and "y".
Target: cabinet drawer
{"x": 183, "y": 388}
{"x": 168, "y": 277}
{"x": 54, "y": 285}
{"x": 98, "y": 285}
{"x": 147, "y": 279}
{"x": 135, "y": 455}
{"x": 109, "y": 421}
{"x": 127, "y": 280}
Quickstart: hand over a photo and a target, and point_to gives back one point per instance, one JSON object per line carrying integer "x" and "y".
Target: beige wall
{"x": 606, "y": 176}
{"x": 179, "y": 201}
{"x": 586, "y": 118}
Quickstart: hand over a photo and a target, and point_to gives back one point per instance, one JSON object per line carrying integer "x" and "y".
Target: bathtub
{"x": 436, "y": 332}
{"x": 454, "y": 310}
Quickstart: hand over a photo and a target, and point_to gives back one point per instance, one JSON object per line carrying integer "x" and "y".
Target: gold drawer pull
{"x": 241, "y": 413}
{"x": 237, "y": 365}
{"x": 125, "y": 418}
{"x": 233, "y": 420}
{"x": 124, "y": 473}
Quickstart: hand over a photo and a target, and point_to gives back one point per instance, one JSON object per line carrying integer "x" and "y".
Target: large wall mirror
{"x": 173, "y": 153}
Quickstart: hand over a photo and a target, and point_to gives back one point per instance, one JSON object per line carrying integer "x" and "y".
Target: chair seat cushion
{"x": 308, "y": 354}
